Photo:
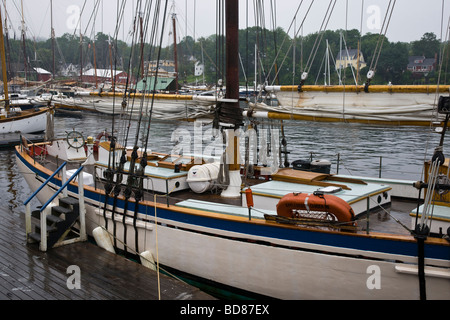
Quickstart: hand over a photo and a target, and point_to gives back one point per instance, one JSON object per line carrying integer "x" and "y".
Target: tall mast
{"x": 7, "y": 48}
{"x": 23, "y": 43}
{"x": 232, "y": 54}
{"x": 53, "y": 39}
{"x": 95, "y": 63}
{"x": 81, "y": 51}
{"x": 111, "y": 64}
{"x": 230, "y": 111}
{"x": 3, "y": 58}
{"x": 141, "y": 29}
{"x": 95, "y": 56}
{"x": 175, "y": 54}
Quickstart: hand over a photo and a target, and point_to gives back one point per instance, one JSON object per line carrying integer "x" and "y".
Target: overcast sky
{"x": 410, "y": 18}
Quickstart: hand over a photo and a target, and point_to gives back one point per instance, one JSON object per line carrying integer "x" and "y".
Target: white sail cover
{"x": 357, "y": 106}
{"x": 165, "y": 109}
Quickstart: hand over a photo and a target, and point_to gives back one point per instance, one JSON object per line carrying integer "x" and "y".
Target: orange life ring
{"x": 311, "y": 202}
{"x": 101, "y": 135}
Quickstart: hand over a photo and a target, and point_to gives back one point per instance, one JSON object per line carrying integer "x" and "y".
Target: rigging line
{"x": 79, "y": 20}
{"x": 143, "y": 100}
{"x": 382, "y": 34}
{"x": 286, "y": 36}
{"x": 431, "y": 131}
{"x": 154, "y": 32}
{"x": 120, "y": 15}
{"x": 157, "y": 251}
{"x": 320, "y": 35}
{"x": 156, "y": 77}
{"x": 260, "y": 34}
{"x": 441, "y": 59}
{"x": 351, "y": 65}
{"x": 246, "y": 43}
{"x": 296, "y": 33}
{"x": 130, "y": 110}
{"x": 95, "y": 222}
{"x": 93, "y": 13}
{"x": 274, "y": 27}
{"x": 115, "y": 35}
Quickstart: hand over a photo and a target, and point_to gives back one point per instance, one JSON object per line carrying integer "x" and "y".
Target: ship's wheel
{"x": 75, "y": 139}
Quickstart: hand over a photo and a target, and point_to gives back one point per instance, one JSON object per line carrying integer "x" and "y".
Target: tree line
{"x": 274, "y": 57}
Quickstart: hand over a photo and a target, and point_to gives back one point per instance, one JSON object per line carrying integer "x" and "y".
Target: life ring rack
{"x": 301, "y": 205}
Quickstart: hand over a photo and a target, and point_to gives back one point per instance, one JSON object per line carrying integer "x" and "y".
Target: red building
{"x": 42, "y": 75}
{"x": 104, "y": 76}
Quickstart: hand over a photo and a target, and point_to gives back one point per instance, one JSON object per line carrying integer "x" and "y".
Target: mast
{"x": 141, "y": 32}
{"x": 7, "y": 47}
{"x": 230, "y": 112}
{"x": 81, "y": 52}
{"x": 23, "y": 44}
{"x": 95, "y": 63}
{"x": 95, "y": 56}
{"x": 111, "y": 64}
{"x": 357, "y": 65}
{"x": 232, "y": 55}
{"x": 53, "y": 39}
{"x": 3, "y": 58}
{"x": 175, "y": 54}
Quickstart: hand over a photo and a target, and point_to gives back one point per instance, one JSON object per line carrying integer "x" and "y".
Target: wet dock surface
{"x": 29, "y": 274}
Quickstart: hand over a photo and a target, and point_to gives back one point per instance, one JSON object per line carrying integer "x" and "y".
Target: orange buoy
{"x": 291, "y": 202}
{"x": 249, "y": 197}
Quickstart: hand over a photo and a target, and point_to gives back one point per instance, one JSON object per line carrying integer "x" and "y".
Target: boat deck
{"x": 383, "y": 219}
{"x": 29, "y": 274}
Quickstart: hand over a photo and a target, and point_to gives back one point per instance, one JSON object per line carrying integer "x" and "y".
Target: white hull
{"x": 281, "y": 268}
{"x": 31, "y": 124}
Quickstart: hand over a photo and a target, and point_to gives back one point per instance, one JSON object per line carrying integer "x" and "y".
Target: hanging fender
{"x": 311, "y": 202}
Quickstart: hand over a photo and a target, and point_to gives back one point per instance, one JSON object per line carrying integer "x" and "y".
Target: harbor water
{"x": 352, "y": 149}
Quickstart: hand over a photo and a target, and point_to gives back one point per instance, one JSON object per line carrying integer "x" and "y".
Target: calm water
{"x": 402, "y": 149}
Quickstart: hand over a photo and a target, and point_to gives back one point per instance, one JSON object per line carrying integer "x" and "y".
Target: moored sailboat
{"x": 164, "y": 106}
{"x": 14, "y": 119}
{"x": 376, "y": 104}
{"x": 150, "y": 205}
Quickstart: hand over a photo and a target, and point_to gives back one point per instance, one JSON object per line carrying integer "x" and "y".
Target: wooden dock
{"x": 29, "y": 274}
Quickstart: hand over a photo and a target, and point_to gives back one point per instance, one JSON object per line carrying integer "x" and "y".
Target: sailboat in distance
{"x": 271, "y": 231}
{"x": 14, "y": 119}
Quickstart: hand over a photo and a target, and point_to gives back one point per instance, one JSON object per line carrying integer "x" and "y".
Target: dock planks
{"x": 29, "y": 274}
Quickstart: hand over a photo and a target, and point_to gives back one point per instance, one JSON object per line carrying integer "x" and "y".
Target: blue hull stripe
{"x": 339, "y": 240}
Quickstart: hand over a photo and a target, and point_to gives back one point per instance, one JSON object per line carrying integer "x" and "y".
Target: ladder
{"x": 58, "y": 215}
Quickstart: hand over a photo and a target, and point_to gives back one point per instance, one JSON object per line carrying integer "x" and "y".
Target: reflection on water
{"x": 401, "y": 150}
{"x": 13, "y": 188}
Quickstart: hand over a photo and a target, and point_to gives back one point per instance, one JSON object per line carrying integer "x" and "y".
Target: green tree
{"x": 427, "y": 46}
